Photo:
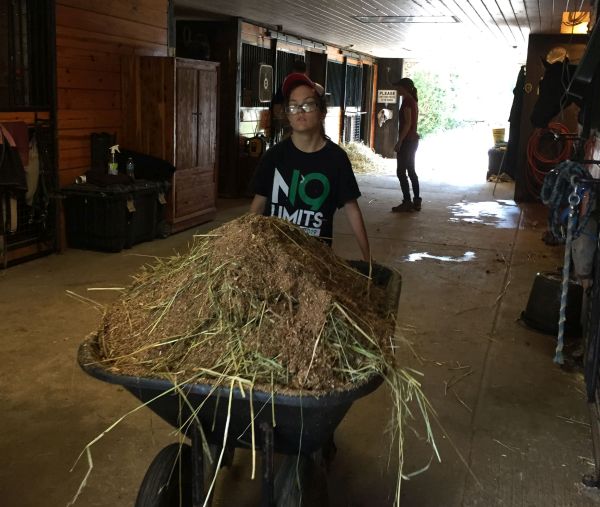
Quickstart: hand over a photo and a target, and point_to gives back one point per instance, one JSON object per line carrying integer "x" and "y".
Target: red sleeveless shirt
{"x": 410, "y": 103}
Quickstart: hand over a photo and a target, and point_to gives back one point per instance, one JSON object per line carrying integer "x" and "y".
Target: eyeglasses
{"x": 307, "y": 107}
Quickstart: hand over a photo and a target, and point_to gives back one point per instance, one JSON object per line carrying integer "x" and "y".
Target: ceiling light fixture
{"x": 575, "y": 22}
{"x": 407, "y": 19}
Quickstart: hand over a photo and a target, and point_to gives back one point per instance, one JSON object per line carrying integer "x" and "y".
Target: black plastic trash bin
{"x": 495, "y": 156}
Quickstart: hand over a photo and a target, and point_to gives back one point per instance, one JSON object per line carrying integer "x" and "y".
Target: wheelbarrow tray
{"x": 302, "y": 424}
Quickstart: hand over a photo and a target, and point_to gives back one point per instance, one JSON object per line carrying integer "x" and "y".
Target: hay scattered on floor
{"x": 364, "y": 160}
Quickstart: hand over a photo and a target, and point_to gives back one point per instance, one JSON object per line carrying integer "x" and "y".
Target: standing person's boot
{"x": 406, "y": 205}
{"x": 417, "y": 203}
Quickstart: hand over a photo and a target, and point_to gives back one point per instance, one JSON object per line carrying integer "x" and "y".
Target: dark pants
{"x": 406, "y": 165}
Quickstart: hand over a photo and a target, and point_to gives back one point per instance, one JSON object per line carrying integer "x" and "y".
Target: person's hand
{"x": 398, "y": 146}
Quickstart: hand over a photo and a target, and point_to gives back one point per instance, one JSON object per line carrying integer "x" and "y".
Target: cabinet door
{"x": 187, "y": 118}
{"x": 207, "y": 113}
{"x": 194, "y": 181}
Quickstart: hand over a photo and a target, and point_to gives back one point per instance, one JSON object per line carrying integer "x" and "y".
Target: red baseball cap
{"x": 294, "y": 80}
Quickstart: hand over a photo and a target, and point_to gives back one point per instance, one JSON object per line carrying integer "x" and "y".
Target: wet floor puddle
{"x": 413, "y": 257}
{"x": 500, "y": 213}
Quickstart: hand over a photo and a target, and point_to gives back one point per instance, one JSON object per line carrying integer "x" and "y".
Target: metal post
{"x": 343, "y": 101}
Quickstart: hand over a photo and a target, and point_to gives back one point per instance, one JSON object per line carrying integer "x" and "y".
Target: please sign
{"x": 387, "y": 96}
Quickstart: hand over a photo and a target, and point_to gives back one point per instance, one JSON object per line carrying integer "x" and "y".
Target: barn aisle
{"x": 468, "y": 260}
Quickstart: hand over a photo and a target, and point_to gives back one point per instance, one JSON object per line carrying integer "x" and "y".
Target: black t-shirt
{"x": 306, "y": 188}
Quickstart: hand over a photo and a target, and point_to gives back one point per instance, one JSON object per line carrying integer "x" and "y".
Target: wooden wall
{"x": 91, "y": 37}
{"x": 24, "y": 116}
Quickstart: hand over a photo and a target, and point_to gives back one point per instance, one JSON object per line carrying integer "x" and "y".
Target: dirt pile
{"x": 256, "y": 298}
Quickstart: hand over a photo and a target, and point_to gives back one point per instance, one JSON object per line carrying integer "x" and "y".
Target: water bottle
{"x": 130, "y": 168}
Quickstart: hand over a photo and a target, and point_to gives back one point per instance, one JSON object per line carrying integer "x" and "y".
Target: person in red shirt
{"x": 406, "y": 147}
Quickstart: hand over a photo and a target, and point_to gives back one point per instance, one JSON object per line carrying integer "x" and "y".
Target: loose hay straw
{"x": 364, "y": 159}
{"x": 261, "y": 304}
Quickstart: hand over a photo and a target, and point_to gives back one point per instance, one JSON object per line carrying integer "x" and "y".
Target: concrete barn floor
{"x": 518, "y": 421}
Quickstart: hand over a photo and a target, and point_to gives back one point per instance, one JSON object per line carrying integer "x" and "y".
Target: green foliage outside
{"x": 463, "y": 93}
{"x": 437, "y": 101}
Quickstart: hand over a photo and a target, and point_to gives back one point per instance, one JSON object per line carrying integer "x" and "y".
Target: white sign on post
{"x": 387, "y": 96}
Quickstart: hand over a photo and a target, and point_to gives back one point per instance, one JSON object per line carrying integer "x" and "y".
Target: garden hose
{"x": 539, "y": 163}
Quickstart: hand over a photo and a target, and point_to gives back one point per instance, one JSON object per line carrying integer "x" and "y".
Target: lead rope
{"x": 574, "y": 201}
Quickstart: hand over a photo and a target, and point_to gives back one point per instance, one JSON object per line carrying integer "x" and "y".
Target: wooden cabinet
{"x": 170, "y": 108}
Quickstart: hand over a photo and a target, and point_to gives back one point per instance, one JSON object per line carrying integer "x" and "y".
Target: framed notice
{"x": 387, "y": 96}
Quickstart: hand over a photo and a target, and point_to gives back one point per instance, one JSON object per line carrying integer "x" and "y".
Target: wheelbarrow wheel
{"x": 168, "y": 480}
{"x": 300, "y": 482}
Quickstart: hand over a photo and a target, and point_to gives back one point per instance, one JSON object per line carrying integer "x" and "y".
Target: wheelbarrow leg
{"x": 197, "y": 468}
{"x": 268, "y": 499}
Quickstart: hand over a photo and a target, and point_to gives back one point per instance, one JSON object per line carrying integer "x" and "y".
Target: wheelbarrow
{"x": 299, "y": 427}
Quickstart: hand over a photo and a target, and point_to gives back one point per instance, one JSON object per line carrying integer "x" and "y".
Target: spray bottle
{"x": 113, "y": 165}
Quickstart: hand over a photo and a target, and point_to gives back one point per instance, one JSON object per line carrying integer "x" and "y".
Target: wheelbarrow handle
{"x": 198, "y": 493}
{"x": 268, "y": 499}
